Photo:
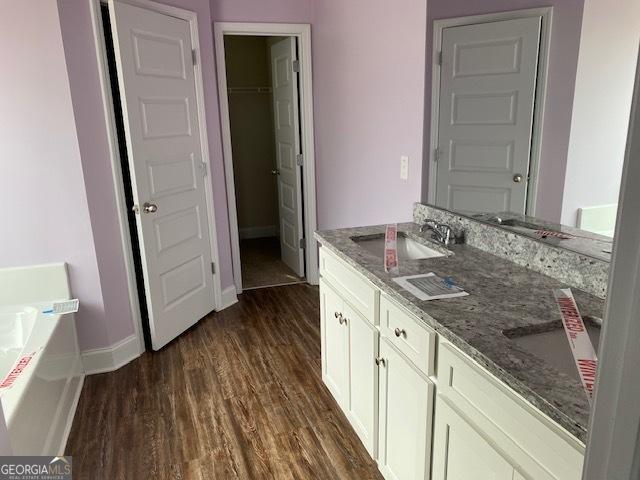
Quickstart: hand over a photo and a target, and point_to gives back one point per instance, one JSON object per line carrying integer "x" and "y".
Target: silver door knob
{"x": 380, "y": 361}
{"x": 517, "y": 177}
{"x": 149, "y": 207}
{"x": 275, "y": 171}
{"x": 399, "y": 332}
{"x": 342, "y": 320}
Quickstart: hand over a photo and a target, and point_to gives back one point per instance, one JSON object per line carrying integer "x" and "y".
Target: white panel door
{"x": 406, "y": 410}
{"x": 157, "y": 86}
{"x": 335, "y": 345}
{"x": 287, "y": 133}
{"x": 487, "y": 93}
{"x": 461, "y": 453}
{"x": 363, "y": 378}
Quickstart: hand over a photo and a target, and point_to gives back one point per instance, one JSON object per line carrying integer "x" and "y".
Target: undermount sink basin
{"x": 549, "y": 342}
{"x": 408, "y": 249}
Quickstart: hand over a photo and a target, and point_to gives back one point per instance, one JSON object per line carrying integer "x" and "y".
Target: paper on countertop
{"x": 430, "y": 286}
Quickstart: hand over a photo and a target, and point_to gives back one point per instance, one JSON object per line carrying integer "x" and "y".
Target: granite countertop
{"x": 581, "y": 241}
{"x": 502, "y": 296}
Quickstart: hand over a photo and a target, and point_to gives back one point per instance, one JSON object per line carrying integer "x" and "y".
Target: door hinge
{"x": 296, "y": 66}
{"x": 299, "y": 159}
{"x": 194, "y": 56}
{"x": 213, "y": 268}
{"x": 436, "y": 154}
{"x": 302, "y": 243}
{"x": 439, "y": 59}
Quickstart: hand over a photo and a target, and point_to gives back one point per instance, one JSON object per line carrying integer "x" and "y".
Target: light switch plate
{"x": 404, "y": 167}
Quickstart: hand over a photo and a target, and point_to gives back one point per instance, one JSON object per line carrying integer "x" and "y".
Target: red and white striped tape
{"x": 579, "y": 341}
{"x": 17, "y": 370}
{"x": 550, "y": 233}
{"x": 391, "y": 249}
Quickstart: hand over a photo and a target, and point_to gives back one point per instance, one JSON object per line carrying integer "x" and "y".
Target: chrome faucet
{"x": 443, "y": 233}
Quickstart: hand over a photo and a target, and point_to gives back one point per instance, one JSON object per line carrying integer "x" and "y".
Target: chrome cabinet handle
{"x": 340, "y": 318}
{"x": 380, "y": 361}
{"x": 149, "y": 207}
{"x": 399, "y": 332}
{"x": 517, "y": 178}
{"x": 275, "y": 171}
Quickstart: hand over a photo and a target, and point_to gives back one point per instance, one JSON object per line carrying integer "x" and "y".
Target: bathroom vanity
{"x": 457, "y": 388}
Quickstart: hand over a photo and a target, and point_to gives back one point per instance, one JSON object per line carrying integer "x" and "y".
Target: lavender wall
{"x": 44, "y": 214}
{"x": 82, "y": 69}
{"x": 565, "y": 40}
{"x": 368, "y": 60}
{"x": 270, "y": 11}
{"x": 368, "y": 94}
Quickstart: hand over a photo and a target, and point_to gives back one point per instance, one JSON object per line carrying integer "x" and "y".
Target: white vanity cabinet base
{"x": 534, "y": 445}
{"x": 406, "y": 413}
{"x": 482, "y": 429}
{"x": 461, "y": 453}
{"x": 349, "y": 348}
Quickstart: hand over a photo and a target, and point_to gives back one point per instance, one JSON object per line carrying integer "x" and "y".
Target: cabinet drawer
{"x": 356, "y": 289}
{"x": 540, "y": 447}
{"x": 414, "y": 340}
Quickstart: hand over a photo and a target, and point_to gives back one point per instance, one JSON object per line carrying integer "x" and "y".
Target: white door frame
{"x": 613, "y": 447}
{"x": 540, "y": 98}
{"x": 118, "y": 183}
{"x": 303, "y": 33}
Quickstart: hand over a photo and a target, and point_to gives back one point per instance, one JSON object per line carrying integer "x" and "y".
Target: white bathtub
{"x": 38, "y": 402}
{"x": 16, "y": 325}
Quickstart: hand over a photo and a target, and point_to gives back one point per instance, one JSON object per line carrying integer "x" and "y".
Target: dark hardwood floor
{"x": 240, "y": 395}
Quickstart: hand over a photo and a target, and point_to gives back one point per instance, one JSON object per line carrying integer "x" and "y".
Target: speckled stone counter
{"x": 582, "y": 271}
{"x": 502, "y": 296}
{"x": 581, "y": 241}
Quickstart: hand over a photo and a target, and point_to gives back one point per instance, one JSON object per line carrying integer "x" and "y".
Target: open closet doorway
{"x": 262, "y": 88}
{"x": 268, "y": 159}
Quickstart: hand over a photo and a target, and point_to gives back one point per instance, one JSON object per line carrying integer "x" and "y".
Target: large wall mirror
{"x": 528, "y": 112}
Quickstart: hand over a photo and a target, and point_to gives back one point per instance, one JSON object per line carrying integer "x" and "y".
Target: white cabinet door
{"x": 363, "y": 373}
{"x": 335, "y": 345}
{"x": 406, "y": 406}
{"x": 461, "y": 453}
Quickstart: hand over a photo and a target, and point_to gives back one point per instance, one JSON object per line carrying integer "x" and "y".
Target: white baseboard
{"x": 101, "y": 360}
{"x": 258, "y": 232}
{"x": 229, "y": 297}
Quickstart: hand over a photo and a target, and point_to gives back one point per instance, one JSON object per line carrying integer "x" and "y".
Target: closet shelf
{"x": 249, "y": 90}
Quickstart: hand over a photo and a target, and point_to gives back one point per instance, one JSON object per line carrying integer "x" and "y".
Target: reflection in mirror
{"x": 529, "y": 119}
